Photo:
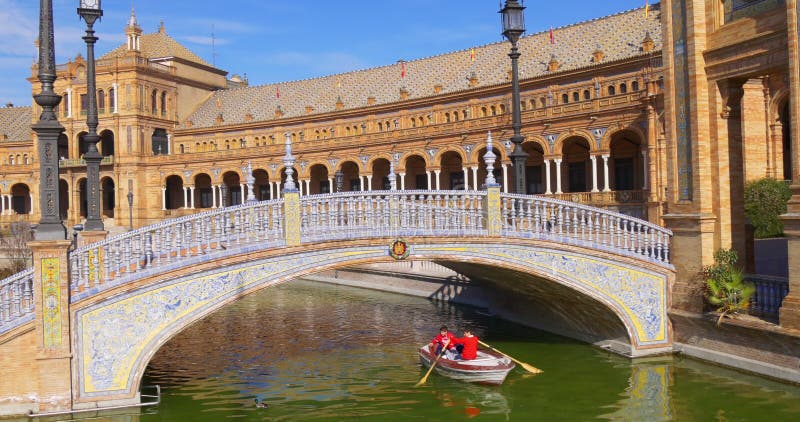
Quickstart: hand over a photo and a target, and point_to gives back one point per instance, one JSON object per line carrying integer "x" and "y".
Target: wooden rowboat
{"x": 489, "y": 367}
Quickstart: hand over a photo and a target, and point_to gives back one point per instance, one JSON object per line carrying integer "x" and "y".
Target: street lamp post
{"x": 513, "y": 28}
{"x": 47, "y": 131}
{"x": 90, "y": 11}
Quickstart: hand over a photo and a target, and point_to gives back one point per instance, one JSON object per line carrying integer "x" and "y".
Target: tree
{"x": 764, "y": 201}
{"x": 14, "y": 247}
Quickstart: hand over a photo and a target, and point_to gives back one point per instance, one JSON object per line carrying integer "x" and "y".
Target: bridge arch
{"x": 118, "y": 332}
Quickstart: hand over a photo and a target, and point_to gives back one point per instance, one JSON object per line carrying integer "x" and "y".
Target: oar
{"x": 425, "y": 378}
{"x": 530, "y": 368}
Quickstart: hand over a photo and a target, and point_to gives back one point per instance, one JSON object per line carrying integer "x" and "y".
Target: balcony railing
{"x": 769, "y": 295}
{"x": 80, "y": 162}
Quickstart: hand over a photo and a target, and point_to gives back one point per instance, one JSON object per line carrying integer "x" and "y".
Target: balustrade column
{"x": 475, "y": 178}
{"x": 594, "y": 173}
{"x": 607, "y": 187}
{"x": 466, "y": 178}
{"x": 278, "y": 189}
{"x": 163, "y": 198}
{"x": 308, "y": 186}
{"x": 369, "y": 183}
{"x": 330, "y": 185}
{"x": 430, "y": 186}
{"x": 191, "y": 197}
{"x": 558, "y": 176}
{"x": 548, "y": 191}
{"x": 646, "y": 168}
{"x": 214, "y": 196}
{"x": 402, "y": 181}
{"x": 505, "y": 177}
{"x": 438, "y": 179}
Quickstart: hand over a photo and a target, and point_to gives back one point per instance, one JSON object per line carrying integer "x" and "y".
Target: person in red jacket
{"x": 442, "y": 340}
{"x": 469, "y": 343}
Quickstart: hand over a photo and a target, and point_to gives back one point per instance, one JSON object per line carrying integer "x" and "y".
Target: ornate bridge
{"x": 128, "y": 294}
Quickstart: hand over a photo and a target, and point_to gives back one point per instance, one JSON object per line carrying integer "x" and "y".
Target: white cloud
{"x": 18, "y": 31}
{"x": 204, "y": 40}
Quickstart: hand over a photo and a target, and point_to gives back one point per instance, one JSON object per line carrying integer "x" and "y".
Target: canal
{"x": 320, "y": 352}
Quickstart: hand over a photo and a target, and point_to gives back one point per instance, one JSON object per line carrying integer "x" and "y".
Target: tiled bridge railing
{"x": 340, "y": 216}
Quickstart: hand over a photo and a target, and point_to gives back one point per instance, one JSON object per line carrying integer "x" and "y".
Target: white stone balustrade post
{"x": 558, "y": 175}
{"x": 607, "y": 186}
{"x": 474, "y": 178}
{"x": 505, "y": 177}
{"x": 548, "y": 183}
{"x": 594, "y": 173}
{"x": 163, "y": 198}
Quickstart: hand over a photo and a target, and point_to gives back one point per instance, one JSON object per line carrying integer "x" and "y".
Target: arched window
{"x": 11, "y": 160}
{"x": 587, "y": 95}
{"x": 64, "y": 105}
{"x": 163, "y": 103}
{"x": 181, "y": 148}
{"x": 154, "y": 102}
{"x": 447, "y": 117}
{"x": 623, "y": 88}
{"x": 635, "y": 86}
{"x": 347, "y": 131}
{"x": 543, "y": 101}
{"x": 494, "y": 110}
{"x": 112, "y": 104}
{"x": 465, "y": 114}
{"x": 502, "y": 109}
{"x": 533, "y": 104}
{"x": 101, "y": 101}
{"x": 576, "y": 96}
{"x": 413, "y": 122}
{"x": 564, "y": 98}
{"x": 522, "y": 105}
{"x": 612, "y": 90}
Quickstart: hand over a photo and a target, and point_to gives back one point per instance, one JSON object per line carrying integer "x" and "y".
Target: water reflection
{"x": 319, "y": 352}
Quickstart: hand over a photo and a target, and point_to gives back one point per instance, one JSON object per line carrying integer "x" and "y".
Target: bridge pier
{"x": 53, "y": 359}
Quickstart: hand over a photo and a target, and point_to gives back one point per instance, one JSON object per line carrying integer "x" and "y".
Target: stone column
{"x": 308, "y": 186}
{"x": 548, "y": 184}
{"x": 291, "y": 215}
{"x": 438, "y": 179}
{"x": 505, "y": 177}
{"x": 466, "y": 178}
{"x": 185, "y": 197}
{"x": 790, "y": 309}
{"x": 213, "y": 196}
{"x": 606, "y": 184}
{"x": 430, "y": 185}
{"x": 242, "y": 193}
{"x": 402, "y": 181}
{"x": 492, "y": 211}
{"x": 30, "y": 198}
{"x": 52, "y": 324}
{"x": 2, "y": 204}
{"x": 594, "y": 173}
{"x": 369, "y": 183}
{"x": 475, "y": 178}
{"x": 163, "y": 198}
{"x": 116, "y": 98}
{"x": 330, "y": 185}
{"x": 558, "y": 175}
{"x": 69, "y": 103}
{"x": 191, "y": 197}
{"x": 645, "y": 165}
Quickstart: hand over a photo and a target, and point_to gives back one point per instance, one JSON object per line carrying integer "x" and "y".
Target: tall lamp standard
{"x": 47, "y": 131}
{"x": 90, "y": 11}
{"x": 513, "y": 28}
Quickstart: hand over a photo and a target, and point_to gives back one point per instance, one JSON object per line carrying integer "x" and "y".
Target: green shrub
{"x": 726, "y": 288}
{"x": 764, "y": 201}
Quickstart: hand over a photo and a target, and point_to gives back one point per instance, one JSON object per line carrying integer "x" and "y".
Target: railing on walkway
{"x": 16, "y": 300}
{"x": 189, "y": 240}
{"x": 392, "y": 213}
{"x": 544, "y": 218}
{"x": 163, "y": 245}
{"x": 769, "y": 295}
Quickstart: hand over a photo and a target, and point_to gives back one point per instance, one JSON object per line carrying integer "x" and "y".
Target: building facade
{"x": 661, "y": 113}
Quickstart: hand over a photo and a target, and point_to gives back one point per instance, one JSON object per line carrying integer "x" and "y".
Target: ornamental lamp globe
{"x": 513, "y": 20}
{"x": 89, "y": 4}
{"x": 89, "y": 10}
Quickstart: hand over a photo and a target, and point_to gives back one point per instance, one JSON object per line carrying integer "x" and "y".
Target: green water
{"x": 320, "y": 352}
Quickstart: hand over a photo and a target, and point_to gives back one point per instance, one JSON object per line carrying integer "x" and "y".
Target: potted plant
{"x": 726, "y": 288}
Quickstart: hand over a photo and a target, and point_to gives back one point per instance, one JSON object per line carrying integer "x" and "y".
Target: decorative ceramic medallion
{"x": 399, "y": 249}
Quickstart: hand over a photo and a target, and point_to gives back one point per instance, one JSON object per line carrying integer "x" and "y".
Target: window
{"x": 577, "y": 177}
{"x": 564, "y": 99}
{"x": 635, "y": 86}
{"x": 576, "y": 97}
{"x": 101, "y": 101}
{"x": 587, "y": 95}
{"x": 84, "y": 104}
{"x": 163, "y": 103}
{"x": 612, "y": 90}
{"x": 623, "y": 174}
{"x": 484, "y": 112}
{"x": 153, "y": 101}
{"x": 112, "y": 102}
{"x": 623, "y": 88}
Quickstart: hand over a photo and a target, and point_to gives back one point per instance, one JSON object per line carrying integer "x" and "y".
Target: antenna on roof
{"x": 213, "y": 48}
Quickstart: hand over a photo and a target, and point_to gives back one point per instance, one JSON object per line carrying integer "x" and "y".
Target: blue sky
{"x": 273, "y": 41}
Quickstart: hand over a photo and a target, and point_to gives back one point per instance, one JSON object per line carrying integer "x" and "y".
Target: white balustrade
{"x": 16, "y": 300}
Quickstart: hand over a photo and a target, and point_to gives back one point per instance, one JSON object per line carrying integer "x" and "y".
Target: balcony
{"x": 80, "y": 162}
